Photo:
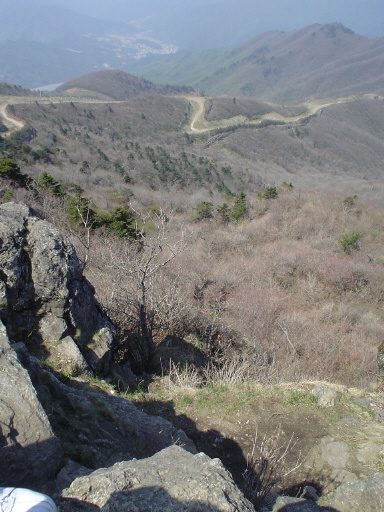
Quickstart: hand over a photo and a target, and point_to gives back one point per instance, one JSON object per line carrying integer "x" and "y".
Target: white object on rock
{"x": 14, "y": 499}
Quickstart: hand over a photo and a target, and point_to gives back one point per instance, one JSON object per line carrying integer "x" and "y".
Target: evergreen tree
{"x": 240, "y": 208}
{"x": 46, "y": 181}
{"x": 121, "y": 222}
{"x": 80, "y": 211}
{"x": 204, "y": 211}
{"x": 9, "y": 169}
{"x": 270, "y": 193}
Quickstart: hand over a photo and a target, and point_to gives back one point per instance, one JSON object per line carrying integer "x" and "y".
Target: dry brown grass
{"x": 279, "y": 285}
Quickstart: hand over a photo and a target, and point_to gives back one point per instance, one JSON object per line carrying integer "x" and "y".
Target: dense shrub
{"x": 239, "y": 208}
{"x": 203, "y": 211}
{"x": 350, "y": 242}
{"x": 9, "y": 169}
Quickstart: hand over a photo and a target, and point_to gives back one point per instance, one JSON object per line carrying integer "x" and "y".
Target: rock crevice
{"x": 43, "y": 294}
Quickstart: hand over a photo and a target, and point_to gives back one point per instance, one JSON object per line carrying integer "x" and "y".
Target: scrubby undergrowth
{"x": 279, "y": 288}
{"x": 290, "y": 290}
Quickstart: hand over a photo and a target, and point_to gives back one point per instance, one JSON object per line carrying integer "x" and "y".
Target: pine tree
{"x": 240, "y": 208}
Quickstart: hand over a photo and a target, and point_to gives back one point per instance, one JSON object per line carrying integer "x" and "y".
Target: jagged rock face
{"x": 43, "y": 294}
{"x": 99, "y": 428}
{"x": 48, "y": 307}
{"x": 30, "y": 454}
{"x": 173, "y": 480}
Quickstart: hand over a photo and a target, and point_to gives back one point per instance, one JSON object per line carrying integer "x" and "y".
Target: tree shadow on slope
{"x": 256, "y": 478}
{"x": 97, "y": 428}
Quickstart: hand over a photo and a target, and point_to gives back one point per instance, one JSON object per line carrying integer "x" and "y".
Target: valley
{"x": 200, "y": 268}
{"x": 308, "y": 144}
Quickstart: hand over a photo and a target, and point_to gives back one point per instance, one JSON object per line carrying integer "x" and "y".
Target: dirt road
{"x": 10, "y": 122}
{"x": 199, "y": 124}
{"x": 13, "y": 124}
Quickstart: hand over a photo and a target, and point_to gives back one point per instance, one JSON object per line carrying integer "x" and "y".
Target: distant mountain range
{"x": 51, "y": 41}
{"x": 42, "y": 44}
{"x": 316, "y": 61}
{"x": 284, "y": 67}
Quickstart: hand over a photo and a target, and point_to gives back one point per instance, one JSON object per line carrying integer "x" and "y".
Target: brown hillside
{"x": 341, "y": 147}
{"x": 116, "y": 85}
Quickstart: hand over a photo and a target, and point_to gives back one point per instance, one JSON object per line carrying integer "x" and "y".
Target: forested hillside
{"x": 145, "y": 147}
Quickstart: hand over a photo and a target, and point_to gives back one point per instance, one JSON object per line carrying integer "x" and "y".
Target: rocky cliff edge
{"x": 91, "y": 449}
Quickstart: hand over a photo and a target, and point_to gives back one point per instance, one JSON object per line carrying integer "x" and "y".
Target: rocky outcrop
{"x": 44, "y": 297}
{"x": 367, "y": 495}
{"x": 173, "y": 480}
{"x": 61, "y": 428}
{"x": 49, "y": 311}
{"x": 99, "y": 428}
{"x": 30, "y": 454}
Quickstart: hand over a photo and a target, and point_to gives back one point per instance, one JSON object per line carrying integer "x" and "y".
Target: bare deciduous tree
{"x": 135, "y": 264}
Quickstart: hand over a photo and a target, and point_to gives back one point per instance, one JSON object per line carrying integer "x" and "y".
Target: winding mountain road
{"x": 199, "y": 124}
{"x": 8, "y": 120}
{"x": 13, "y": 123}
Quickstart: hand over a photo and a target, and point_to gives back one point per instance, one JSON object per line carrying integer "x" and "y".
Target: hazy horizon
{"x": 225, "y": 22}
{"x": 363, "y": 17}
{"x": 51, "y": 41}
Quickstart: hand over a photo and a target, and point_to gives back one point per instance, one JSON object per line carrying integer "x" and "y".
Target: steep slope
{"x": 48, "y": 304}
{"x": 52, "y": 420}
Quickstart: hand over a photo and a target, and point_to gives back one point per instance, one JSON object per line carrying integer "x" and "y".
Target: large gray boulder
{"x": 30, "y": 455}
{"x": 335, "y": 453}
{"x": 43, "y": 293}
{"x": 173, "y": 480}
{"x": 365, "y": 495}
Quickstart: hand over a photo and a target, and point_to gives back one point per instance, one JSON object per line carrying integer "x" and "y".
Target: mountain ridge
{"x": 315, "y": 61}
{"x": 117, "y": 85}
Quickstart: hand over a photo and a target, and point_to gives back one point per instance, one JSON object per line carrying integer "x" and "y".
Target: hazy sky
{"x": 365, "y": 17}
